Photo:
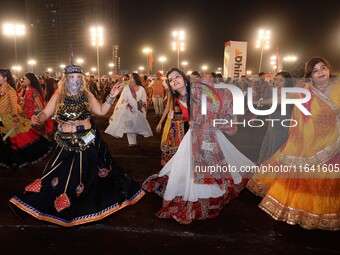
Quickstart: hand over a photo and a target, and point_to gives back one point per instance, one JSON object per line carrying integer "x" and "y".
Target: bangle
{"x": 111, "y": 96}
{"x": 110, "y": 100}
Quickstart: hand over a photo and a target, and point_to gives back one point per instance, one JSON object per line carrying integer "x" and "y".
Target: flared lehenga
{"x": 20, "y": 144}
{"x": 81, "y": 183}
{"x": 183, "y": 199}
{"x": 94, "y": 184}
{"x": 190, "y": 192}
{"x": 308, "y": 196}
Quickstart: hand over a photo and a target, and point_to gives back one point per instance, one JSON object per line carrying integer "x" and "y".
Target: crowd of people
{"x": 82, "y": 183}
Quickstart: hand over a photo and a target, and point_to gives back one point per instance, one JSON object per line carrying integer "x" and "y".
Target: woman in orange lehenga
{"x": 310, "y": 196}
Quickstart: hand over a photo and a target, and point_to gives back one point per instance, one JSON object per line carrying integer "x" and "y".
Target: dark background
{"x": 301, "y": 28}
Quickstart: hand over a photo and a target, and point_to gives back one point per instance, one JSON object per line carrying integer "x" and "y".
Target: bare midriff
{"x": 71, "y": 125}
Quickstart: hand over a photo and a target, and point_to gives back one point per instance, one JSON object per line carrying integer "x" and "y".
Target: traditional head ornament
{"x": 72, "y": 69}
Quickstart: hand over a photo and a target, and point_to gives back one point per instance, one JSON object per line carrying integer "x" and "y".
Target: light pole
{"x": 31, "y": 62}
{"x": 162, "y": 60}
{"x": 97, "y": 40}
{"x": 148, "y": 52}
{"x": 184, "y": 64}
{"x": 178, "y": 44}
{"x": 14, "y": 30}
{"x": 274, "y": 62}
{"x": 263, "y": 43}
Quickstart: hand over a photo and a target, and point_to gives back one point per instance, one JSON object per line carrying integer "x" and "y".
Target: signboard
{"x": 235, "y": 59}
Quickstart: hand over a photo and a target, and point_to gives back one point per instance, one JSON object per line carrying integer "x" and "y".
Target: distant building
{"x": 54, "y": 25}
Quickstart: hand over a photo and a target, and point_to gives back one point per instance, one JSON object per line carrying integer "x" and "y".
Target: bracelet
{"x": 110, "y": 100}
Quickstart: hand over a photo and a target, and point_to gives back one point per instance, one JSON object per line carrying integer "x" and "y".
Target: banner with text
{"x": 235, "y": 59}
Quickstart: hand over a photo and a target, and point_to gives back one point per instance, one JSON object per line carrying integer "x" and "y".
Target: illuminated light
{"x": 31, "y": 62}
{"x": 179, "y": 44}
{"x": 79, "y": 61}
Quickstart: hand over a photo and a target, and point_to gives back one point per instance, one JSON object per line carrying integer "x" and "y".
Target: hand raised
{"x": 116, "y": 89}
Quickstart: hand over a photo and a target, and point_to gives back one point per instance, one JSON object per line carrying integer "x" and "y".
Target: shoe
{"x": 132, "y": 145}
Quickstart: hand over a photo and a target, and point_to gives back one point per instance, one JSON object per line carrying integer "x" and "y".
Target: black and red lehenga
{"x": 81, "y": 183}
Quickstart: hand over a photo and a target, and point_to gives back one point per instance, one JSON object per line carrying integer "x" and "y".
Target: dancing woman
{"x": 81, "y": 183}
{"x": 189, "y": 191}
{"x": 176, "y": 124}
{"x": 33, "y": 102}
{"x": 309, "y": 194}
{"x": 20, "y": 144}
{"x": 129, "y": 116}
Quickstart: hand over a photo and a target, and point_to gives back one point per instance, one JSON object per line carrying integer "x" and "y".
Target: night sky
{"x": 302, "y": 28}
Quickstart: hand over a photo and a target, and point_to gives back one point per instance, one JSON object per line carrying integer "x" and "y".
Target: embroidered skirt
{"x": 23, "y": 146}
{"x": 80, "y": 184}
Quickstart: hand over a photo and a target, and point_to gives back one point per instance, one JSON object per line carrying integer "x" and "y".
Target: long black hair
{"x": 34, "y": 82}
{"x": 8, "y": 74}
{"x": 175, "y": 94}
{"x": 136, "y": 77}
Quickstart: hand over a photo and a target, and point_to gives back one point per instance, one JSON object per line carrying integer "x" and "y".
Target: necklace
{"x": 322, "y": 88}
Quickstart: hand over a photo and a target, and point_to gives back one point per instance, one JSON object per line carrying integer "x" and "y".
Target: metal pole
{"x": 178, "y": 51}
{"x": 261, "y": 57}
{"x": 15, "y": 49}
{"x": 98, "y": 60}
{"x": 148, "y": 62}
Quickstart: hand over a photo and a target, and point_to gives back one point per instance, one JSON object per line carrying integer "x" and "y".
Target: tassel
{"x": 103, "y": 172}
{"x": 79, "y": 189}
{"x": 55, "y": 182}
{"x": 62, "y": 202}
{"x": 34, "y": 186}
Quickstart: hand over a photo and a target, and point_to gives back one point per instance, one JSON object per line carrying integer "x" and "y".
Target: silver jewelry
{"x": 110, "y": 100}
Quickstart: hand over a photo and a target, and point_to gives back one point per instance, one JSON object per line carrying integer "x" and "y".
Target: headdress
{"x": 72, "y": 69}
